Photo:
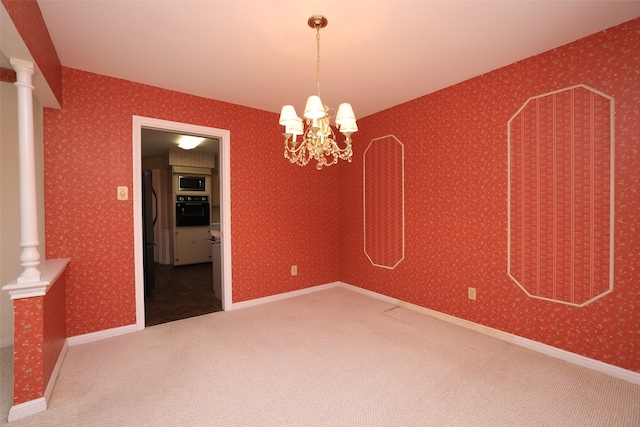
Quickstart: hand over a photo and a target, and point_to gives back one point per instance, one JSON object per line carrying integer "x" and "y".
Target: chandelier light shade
{"x": 318, "y": 139}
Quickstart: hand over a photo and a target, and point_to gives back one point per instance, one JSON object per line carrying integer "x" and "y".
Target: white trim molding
{"x": 50, "y": 270}
{"x": 387, "y": 239}
{"x": 28, "y": 408}
{"x": 56, "y": 371}
{"x": 278, "y": 297}
{"x": 549, "y": 222}
{"x": 224, "y": 136}
{"x": 101, "y": 335}
{"x": 40, "y": 404}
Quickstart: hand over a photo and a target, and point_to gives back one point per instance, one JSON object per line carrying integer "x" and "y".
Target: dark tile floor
{"x": 181, "y": 292}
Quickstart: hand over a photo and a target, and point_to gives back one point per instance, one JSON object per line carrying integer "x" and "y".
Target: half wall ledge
{"x": 50, "y": 270}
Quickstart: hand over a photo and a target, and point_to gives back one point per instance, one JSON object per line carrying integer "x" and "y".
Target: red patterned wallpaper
{"x": 456, "y": 200}
{"x": 28, "y": 342}
{"x": 383, "y": 184}
{"x": 7, "y": 75}
{"x": 27, "y": 18}
{"x": 55, "y": 326}
{"x": 560, "y": 192}
{"x": 40, "y": 334}
{"x": 281, "y": 214}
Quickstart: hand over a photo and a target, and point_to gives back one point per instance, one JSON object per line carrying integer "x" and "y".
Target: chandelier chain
{"x": 318, "y": 57}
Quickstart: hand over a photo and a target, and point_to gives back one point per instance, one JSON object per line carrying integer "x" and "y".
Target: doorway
{"x": 179, "y": 283}
{"x": 181, "y": 292}
{"x": 223, "y": 136}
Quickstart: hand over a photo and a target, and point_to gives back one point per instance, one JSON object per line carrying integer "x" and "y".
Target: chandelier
{"x": 319, "y": 140}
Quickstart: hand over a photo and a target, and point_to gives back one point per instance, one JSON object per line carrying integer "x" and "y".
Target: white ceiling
{"x": 262, "y": 54}
{"x": 156, "y": 142}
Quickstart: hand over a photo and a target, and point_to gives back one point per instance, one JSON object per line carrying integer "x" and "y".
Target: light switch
{"x": 123, "y": 192}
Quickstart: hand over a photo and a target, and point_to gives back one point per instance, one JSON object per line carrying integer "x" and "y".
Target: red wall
{"x": 27, "y": 17}
{"x": 28, "y": 340}
{"x": 39, "y": 337}
{"x": 456, "y": 200}
{"x": 455, "y": 147}
{"x": 55, "y": 325}
{"x": 281, "y": 214}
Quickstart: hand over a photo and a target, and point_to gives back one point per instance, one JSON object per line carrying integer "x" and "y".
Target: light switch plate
{"x": 123, "y": 192}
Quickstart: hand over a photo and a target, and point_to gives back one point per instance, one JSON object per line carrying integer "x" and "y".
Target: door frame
{"x": 158, "y": 249}
{"x": 223, "y": 135}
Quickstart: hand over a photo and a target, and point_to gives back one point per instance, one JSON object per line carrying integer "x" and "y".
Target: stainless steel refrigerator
{"x": 149, "y": 218}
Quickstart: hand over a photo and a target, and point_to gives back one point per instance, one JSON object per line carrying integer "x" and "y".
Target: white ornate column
{"x": 30, "y": 256}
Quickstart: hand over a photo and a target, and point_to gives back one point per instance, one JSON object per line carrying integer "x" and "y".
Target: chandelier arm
{"x": 293, "y": 150}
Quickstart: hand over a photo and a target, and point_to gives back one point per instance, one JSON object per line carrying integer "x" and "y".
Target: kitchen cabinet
{"x": 191, "y": 245}
{"x": 215, "y": 189}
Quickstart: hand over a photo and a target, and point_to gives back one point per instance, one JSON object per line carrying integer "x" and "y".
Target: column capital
{"x": 22, "y": 64}
{"x": 24, "y": 71}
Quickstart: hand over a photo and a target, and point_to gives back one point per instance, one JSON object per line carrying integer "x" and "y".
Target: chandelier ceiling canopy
{"x": 318, "y": 138}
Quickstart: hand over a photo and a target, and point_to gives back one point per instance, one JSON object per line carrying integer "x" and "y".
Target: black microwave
{"x": 191, "y": 183}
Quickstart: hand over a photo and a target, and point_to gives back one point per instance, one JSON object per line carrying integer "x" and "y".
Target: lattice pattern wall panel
{"x": 560, "y": 196}
{"x": 383, "y": 183}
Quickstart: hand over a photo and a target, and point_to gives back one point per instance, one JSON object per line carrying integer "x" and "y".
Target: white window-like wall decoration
{"x": 383, "y": 196}
{"x": 561, "y": 196}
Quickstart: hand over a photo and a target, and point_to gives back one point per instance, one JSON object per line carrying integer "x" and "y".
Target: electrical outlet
{"x": 294, "y": 270}
{"x": 472, "y": 293}
{"x": 123, "y": 192}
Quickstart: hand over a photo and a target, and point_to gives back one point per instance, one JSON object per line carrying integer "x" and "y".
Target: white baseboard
{"x": 6, "y": 342}
{"x": 34, "y": 406}
{"x": 371, "y": 294}
{"x": 40, "y": 404}
{"x": 56, "y": 371}
{"x": 278, "y": 297}
{"x": 578, "y": 359}
{"x": 100, "y": 335}
{"x": 27, "y": 408}
{"x": 567, "y": 356}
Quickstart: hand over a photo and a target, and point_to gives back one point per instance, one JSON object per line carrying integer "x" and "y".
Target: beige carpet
{"x": 331, "y": 358}
{"x": 6, "y": 381}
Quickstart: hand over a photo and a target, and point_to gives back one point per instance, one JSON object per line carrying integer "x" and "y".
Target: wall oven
{"x": 192, "y": 211}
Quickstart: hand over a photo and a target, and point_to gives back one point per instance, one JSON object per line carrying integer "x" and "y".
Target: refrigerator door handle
{"x": 155, "y": 198}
